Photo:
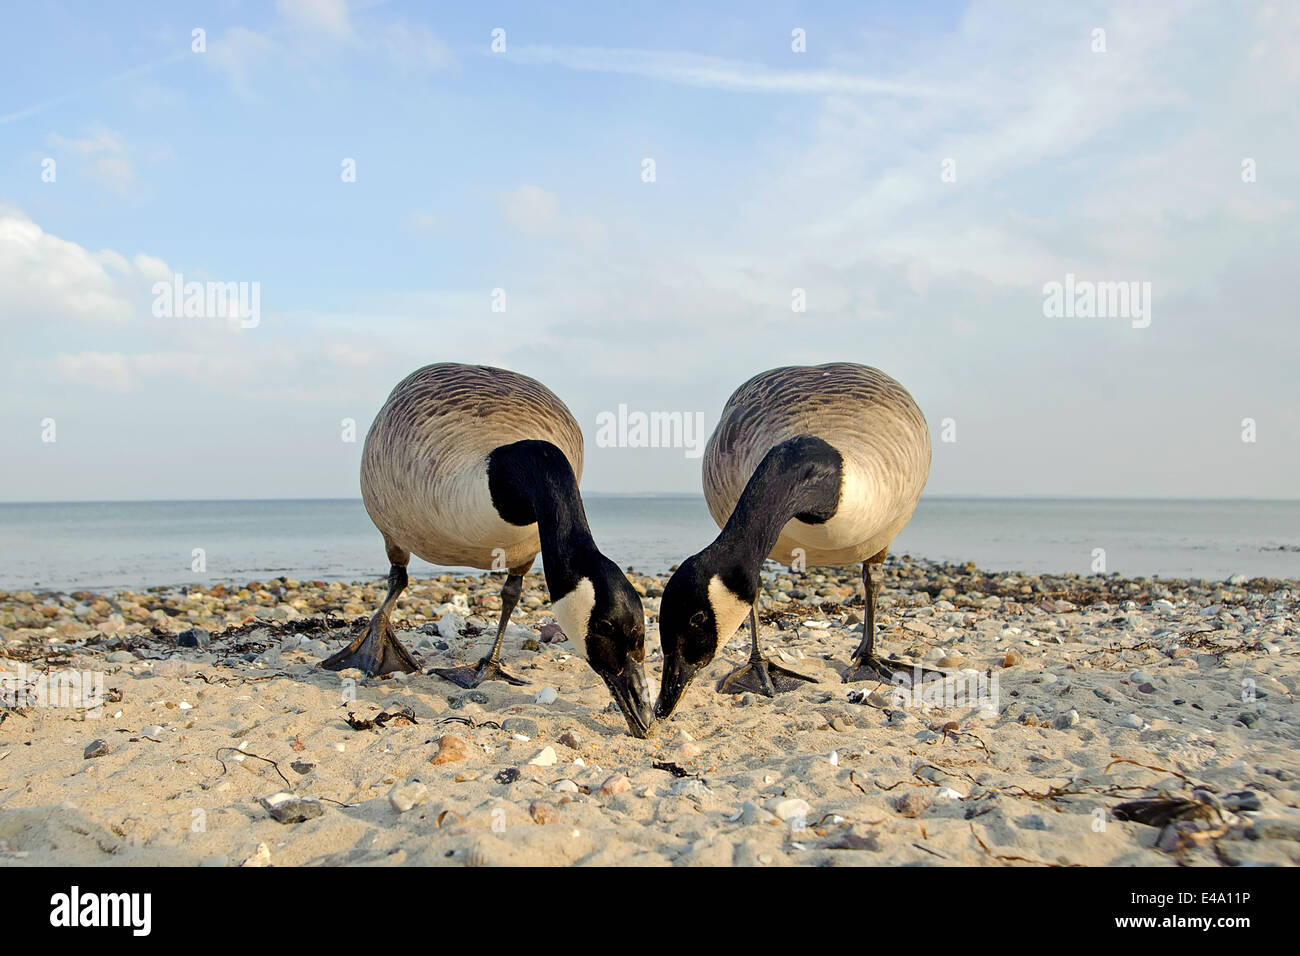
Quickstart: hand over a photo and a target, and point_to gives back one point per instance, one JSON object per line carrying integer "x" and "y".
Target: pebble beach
{"x": 215, "y": 740}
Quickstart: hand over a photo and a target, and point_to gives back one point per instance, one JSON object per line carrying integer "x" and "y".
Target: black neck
{"x": 799, "y": 478}
{"x": 531, "y": 481}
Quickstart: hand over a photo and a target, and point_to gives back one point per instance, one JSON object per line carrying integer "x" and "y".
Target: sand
{"x": 1107, "y": 690}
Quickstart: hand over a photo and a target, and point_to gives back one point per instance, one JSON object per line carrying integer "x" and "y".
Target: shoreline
{"x": 1107, "y": 689}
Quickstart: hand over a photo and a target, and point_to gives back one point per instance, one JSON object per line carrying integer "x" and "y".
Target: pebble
{"x": 544, "y": 757}
{"x": 690, "y": 787}
{"x": 194, "y": 637}
{"x": 1130, "y": 720}
{"x": 286, "y": 807}
{"x": 790, "y": 809}
{"x": 547, "y": 695}
{"x": 521, "y": 725}
{"x": 618, "y": 783}
{"x": 564, "y": 786}
{"x": 543, "y": 813}
{"x": 407, "y": 796}
{"x": 571, "y": 739}
{"x": 910, "y": 804}
{"x": 96, "y": 748}
{"x": 1069, "y": 718}
{"x": 450, "y": 749}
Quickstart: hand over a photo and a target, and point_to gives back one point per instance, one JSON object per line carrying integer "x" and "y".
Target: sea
{"x": 69, "y": 546}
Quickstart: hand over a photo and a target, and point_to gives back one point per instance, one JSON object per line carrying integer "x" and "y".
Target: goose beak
{"x": 633, "y": 698}
{"x": 677, "y": 675}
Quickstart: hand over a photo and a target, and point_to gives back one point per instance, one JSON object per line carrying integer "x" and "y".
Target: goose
{"x": 468, "y": 465}
{"x": 809, "y": 465}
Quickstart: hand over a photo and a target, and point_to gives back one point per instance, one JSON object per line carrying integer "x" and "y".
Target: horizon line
{"x": 660, "y": 494}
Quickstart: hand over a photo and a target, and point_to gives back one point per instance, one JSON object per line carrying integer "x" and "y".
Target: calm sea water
{"x": 137, "y": 544}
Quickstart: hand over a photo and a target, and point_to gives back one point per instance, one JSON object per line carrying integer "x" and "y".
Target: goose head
{"x": 699, "y": 613}
{"x": 603, "y": 618}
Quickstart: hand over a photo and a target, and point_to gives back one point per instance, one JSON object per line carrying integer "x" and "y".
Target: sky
{"x": 643, "y": 205}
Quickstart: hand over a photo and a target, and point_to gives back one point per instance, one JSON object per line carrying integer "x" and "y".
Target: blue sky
{"x": 775, "y": 170}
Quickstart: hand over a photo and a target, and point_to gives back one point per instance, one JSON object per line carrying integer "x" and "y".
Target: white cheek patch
{"x": 573, "y": 613}
{"x": 729, "y": 611}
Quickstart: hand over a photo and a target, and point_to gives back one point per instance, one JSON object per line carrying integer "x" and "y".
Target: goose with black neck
{"x": 809, "y": 465}
{"x": 468, "y": 465}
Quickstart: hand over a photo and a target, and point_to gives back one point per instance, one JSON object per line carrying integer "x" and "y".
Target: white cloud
{"x": 692, "y": 69}
{"x": 98, "y": 369}
{"x": 238, "y": 53}
{"x": 532, "y": 210}
{"x": 44, "y": 278}
{"x": 103, "y": 152}
{"x": 326, "y": 16}
{"x": 535, "y": 212}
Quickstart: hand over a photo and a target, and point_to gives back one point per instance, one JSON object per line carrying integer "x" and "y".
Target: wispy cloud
{"x": 693, "y": 69}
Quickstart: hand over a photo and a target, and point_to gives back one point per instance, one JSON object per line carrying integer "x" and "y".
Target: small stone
{"x": 618, "y": 783}
{"x": 260, "y": 858}
{"x": 691, "y": 787}
{"x": 473, "y": 697}
{"x": 792, "y": 810}
{"x": 520, "y": 725}
{"x": 948, "y": 793}
{"x": 547, "y": 695}
{"x": 543, "y": 813}
{"x": 910, "y": 804}
{"x": 153, "y": 730}
{"x": 571, "y": 739}
{"x": 530, "y": 644}
{"x": 1065, "y": 720}
{"x": 950, "y": 660}
{"x": 544, "y": 757}
{"x": 1012, "y": 658}
{"x": 407, "y": 796}
{"x": 1130, "y": 720}
{"x": 193, "y": 637}
{"x": 842, "y": 724}
{"x": 551, "y": 633}
{"x": 96, "y": 748}
{"x": 564, "y": 786}
{"x": 450, "y": 749}
{"x": 288, "y": 808}
{"x": 302, "y": 766}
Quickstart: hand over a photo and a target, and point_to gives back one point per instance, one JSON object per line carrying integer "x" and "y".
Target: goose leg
{"x": 866, "y": 664}
{"x": 489, "y": 668}
{"x": 759, "y": 675}
{"x": 378, "y": 651}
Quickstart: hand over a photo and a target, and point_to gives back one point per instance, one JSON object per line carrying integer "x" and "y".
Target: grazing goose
{"x": 820, "y": 465}
{"x": 476, "y": 466}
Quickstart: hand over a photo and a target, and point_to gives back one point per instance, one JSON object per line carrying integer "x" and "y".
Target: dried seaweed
{"x": 1007, "y": 858}
{"x": 400, "y": 718}
{"x": 245, "y": 753}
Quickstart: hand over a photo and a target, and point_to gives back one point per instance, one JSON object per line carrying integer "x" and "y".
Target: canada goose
{"x": 476, "y": 466}
{"x": 809, "y": 465}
